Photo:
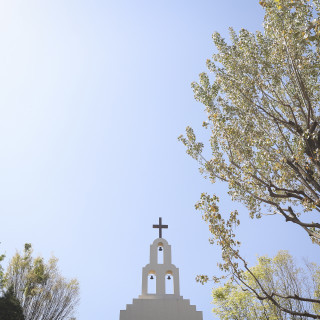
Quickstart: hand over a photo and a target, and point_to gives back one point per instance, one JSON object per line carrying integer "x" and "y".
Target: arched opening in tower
{"x": 169, "y": 283}
{"x": 152, "y": 282}
{"x": 160, "y": 253}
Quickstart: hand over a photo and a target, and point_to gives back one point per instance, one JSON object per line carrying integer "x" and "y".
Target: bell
{"x": 160, "y": 248}
{"x": 151, "y": 277}
{"x": 169, "y": 278}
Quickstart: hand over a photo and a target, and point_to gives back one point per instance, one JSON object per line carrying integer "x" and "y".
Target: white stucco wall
{"x": 160, "y": 305}
{"x": 160, "y": 270}
{"x": 160, "y": 309}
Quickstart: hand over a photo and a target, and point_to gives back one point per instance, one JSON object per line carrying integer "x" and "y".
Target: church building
{"x": 160, "y": 298}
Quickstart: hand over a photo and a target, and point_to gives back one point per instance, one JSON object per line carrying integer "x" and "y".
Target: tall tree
{"x": 10, "y": 308}
{"x": 262, "y": 110}
{"x": 42, "y": 292}
{"x": 280, "y": 274}
{"x": 2, "y": 256}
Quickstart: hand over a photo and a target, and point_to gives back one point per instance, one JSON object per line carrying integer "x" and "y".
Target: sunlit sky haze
{"x": 93, "y": 97}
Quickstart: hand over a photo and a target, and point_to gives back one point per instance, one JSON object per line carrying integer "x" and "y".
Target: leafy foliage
{"x": 263, "y": 113}
{"x": 42, "y": 292}
{"x": 10, "y": 308}
{"x": 2, "y": 256}
{"x": 280, "y": 274}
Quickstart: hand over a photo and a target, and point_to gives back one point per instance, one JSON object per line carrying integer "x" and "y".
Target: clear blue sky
{"x": 93, "y": 97}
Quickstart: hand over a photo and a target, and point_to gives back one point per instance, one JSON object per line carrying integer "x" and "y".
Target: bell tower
{"x": 160, "y": 304}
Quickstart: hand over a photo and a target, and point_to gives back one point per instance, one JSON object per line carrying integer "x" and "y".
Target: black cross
{"x": 160, "y": 226}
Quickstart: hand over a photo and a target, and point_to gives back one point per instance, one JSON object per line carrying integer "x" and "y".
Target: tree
{"x": 280, "y": 274}
{"x": 42, "y": 292}
{"x": 263, "y": 113}
{"x": 10, "y": 308}
{"x": 2, "y": 256}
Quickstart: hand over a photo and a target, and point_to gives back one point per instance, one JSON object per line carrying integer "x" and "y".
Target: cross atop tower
{"x": 160, "y": 226}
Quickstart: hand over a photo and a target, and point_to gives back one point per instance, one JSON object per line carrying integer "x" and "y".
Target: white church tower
{"x": 164, "y": 301}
